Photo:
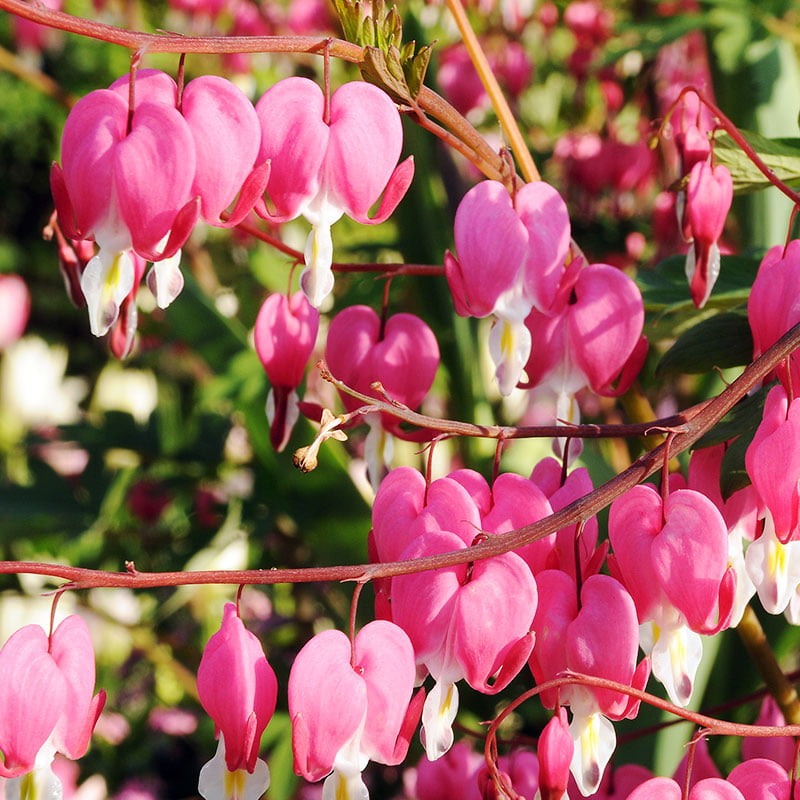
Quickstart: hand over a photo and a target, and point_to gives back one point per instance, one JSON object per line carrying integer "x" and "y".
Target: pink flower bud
{"x": 238, "y": 690}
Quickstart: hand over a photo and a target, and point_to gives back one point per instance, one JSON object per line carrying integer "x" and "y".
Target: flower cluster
{"x": 143, "y": 161}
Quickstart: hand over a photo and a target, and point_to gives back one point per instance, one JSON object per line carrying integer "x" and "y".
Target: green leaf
{"x": 742, "y": 421}
{"x": 782, "y": 156}
{"x": 416, "y": 68}
{"x": 721, "y": 341}
{"x": 732, "y": 474}
{"x": 385, "y": 70}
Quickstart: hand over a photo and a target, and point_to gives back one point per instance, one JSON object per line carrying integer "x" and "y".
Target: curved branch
{"x": 581, "y": 509}
{"x": 489, "y": 162}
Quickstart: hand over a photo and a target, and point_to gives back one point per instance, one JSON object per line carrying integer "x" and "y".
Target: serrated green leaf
{"x": 417, "y": 68}
{"x": 782, "y": 156}
{"x": 741, "y": 421}
{"x": 721, "y": 341}
{"x": 386, "y": 71}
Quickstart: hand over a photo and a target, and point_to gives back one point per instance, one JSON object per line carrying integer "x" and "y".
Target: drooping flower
{"x": 46, "y": 704}
{"x": 352, "y": 704}
{"x": 470, "y": 621}
{"x": 284, "y": 335}
{"x": 774, "y": 307}
{"x": 599, "y": 637}
{"x": 591, "y": 335}
{"x": 400, "y": 352}
{"x": 127, "y": 185}
{"x": 672, "y": 557}
{"x": 510, "y": 258}
{"x": 708, "y": 200}
{"x": 238, "y": 690}
{"x": 328, "y": 159}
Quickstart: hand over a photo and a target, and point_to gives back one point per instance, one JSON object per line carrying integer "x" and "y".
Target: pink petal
{"x": 33, "y": 694}
{"x": 235, "y": 682}
{"x": 353, "y": 174}
{"x": 690, "y": 556}
{"x": 295, "y": 139}
{"x": 605, "y": 323}
{"x": 151, "y": 86}
{"x": 603, "y": 640}
{"x": 423, "y": 603}
{"x": 92, "y": 133}
{"x": 154, "y": 169}
{"x": 398, "y": 503}
{"x": 227, "y": 137}
{"x": 760, "y": 779}
{"x": 556, "y": 609}
{"x": 491, "y": 244}
{"x": 285, "y": 333}
{"x": 384, "y": 658}
{"x": 494, "y": 611}
{"x": 544, "y": 214}
{"x": 633, "y": 523}
{"x": 773, "y": 462}
{"x": 518, "y": 502}
{"x": 72, "y": 650}
{"x": 327, "y": 703}
{"x": 656, "y": 789}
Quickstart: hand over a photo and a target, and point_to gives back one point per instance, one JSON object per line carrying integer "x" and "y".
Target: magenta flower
{"x": 773, "y": 464}
{"x": 352, "y": 704}
{"x": 510, "y": 260}
{"x": 401, "y": 353}
{"x": 330, "y": 159}
{"x": 285, "y": 334}
{"x": 708, "y": 200}
{"x": 597, "y": 637}
{"x": 592, "y": 334}
{"x": 238, "y": 690}
{"x": 128, "y": 187}
{"x": 673, "y": 559}
{"x": 46, "y": 703}
{"x": 554, "y": 751}
{"x": 468, "y": 621}
{"x": 774, "y": 306}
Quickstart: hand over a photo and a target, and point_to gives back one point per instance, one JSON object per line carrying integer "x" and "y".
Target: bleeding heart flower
{"x": 285, "y": 334}
{"x": 350, "y": 704}
{"x": 46, "y": 704}
{"x": 511, "y": 254}
{"x": 238, "y": 690}
{"x": 597, "y": 637}
{"x": 708, "y": 200}
{"x": 401, "y": 353}
{"x": 470, "y": 621}
{"x": 127, "y": 185}
{"x": 328, "y": 159}
{"x": 673, "y": 559}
